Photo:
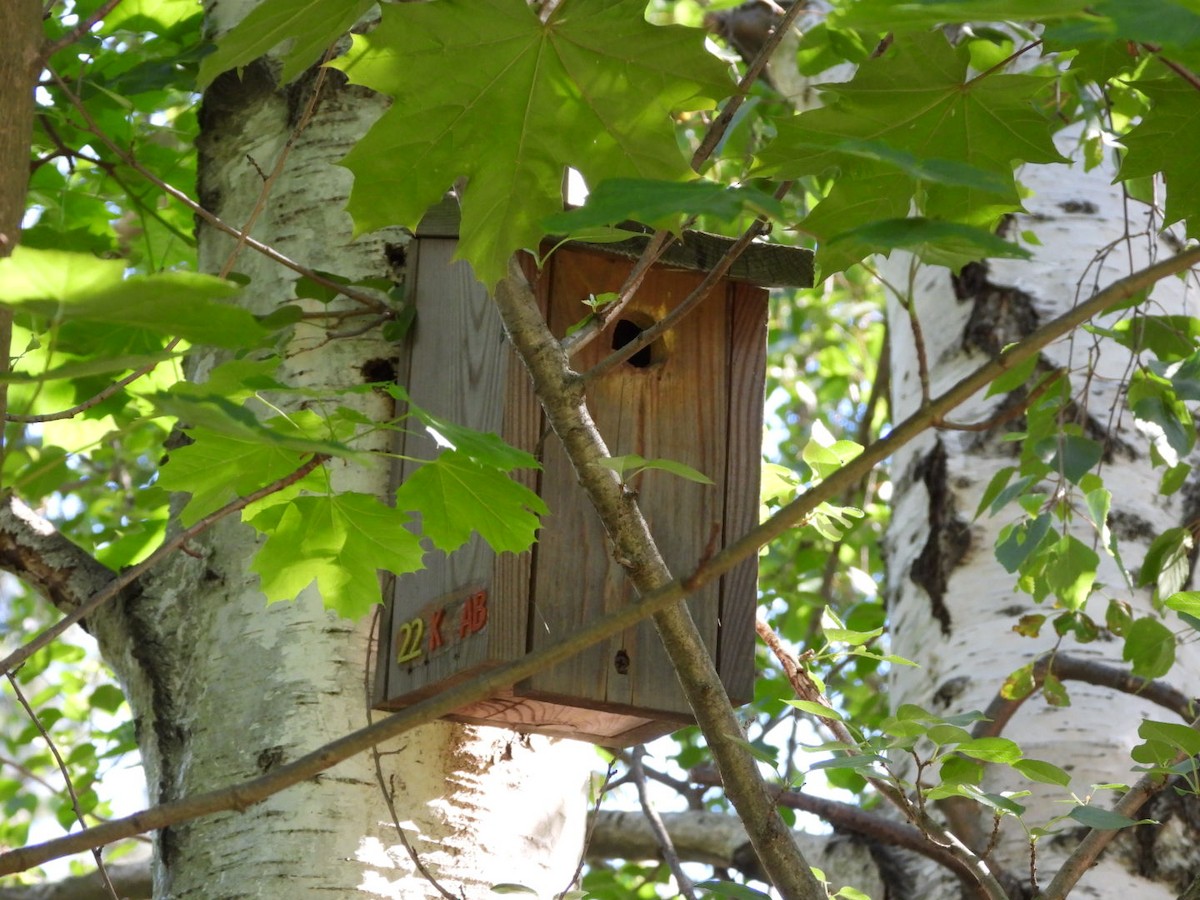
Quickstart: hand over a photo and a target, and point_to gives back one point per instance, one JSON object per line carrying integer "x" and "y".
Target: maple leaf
{"x": 457, "y": 495}
{"x": 306, "y": 26}
{"x": 1159, "y": 143}
{"x": 593, "y": 87}
{"x": 217, "y": 468}
{"x": 918, "y": 100}
{"x": 341, "y": 541}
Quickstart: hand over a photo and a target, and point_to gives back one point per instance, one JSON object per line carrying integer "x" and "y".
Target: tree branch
{"x": 32, "y": 549}
{"x": 1072, "y": 668}
{"x": 129, "y": 576}
{"x": 561, "y": 395}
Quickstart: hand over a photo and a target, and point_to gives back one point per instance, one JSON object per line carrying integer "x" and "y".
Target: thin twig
{"x": 95, "y": 399}
{"x": 212, "y": 218}
{"x": 661, "y": 239}
{"x": 388, "y": 789}
{"x": 306, "y": 117}
{"x": 933, "y": 834}
{"x": 665, "y": 845}
{"x": 759, "y": 227}
{"x": 66, "y": 774}
{"x": 1089, "y": 671}
{"x": 721, "y": 124}
{"x": 79, "y": 30}
{"x": 601, "y": 790}
{"x": 132, "y": 574}
{"x": 1178, "y": 68}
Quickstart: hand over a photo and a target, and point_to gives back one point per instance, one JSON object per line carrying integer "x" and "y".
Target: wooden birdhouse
{"x": 695, "y": 396}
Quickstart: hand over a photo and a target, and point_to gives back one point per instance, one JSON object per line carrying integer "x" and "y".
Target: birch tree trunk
{"x": 226, "y": 687}
{"x": 952, "y": 605}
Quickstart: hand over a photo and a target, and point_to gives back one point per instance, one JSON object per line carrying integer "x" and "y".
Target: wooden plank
{"x": 675, "y": 409}
{"x": 457, "y": 368}
{"x": 739, "y": 588}
{"x": 767, "y": 265}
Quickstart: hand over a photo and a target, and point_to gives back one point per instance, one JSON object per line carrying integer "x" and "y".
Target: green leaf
{"x": 1014, "y": 378}
{"x": 1071, "y": 571}
{"x": 302, "y": 431}
{"x": 1153, "y": 146}
{"x": 997, "y": 484}
{"x": 1076, "y": 456}
{"x": 937, "y": 243}
{"x": 1170, "y": 338}
{"x": 1015, "y": 544}
{"x": 1043, "y": 772}
{"x": 107, "y": 697}
{"x": 816, "y": 709}
{"x": 593, "y": 87}
{"x": 1167, "y": 563}
{"x": 217, "y": 468}
{"x": 884, "y": 15}
{"x": 483, "y": 447}
{"x": 72, "y": 287}
{"x": 308, "y": 26}
{"x": 662, "y": 204}
{"x": 1150, "y": 646}
{"x": 455, "y": 495}
{"x": 631, "y": 464}
{"x": 1102, "y": 819}
{"x": 340, "y": 541}
{"x": 1183, "y": 738}
{"x": 985, "y": 123}
{"x": 826, "y": 458}
{"x": 1184, "y": 602}
{"x": 991, "y": 749}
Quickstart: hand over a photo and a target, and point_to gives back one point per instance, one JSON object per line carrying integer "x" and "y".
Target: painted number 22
{"x": 408, "y": 640}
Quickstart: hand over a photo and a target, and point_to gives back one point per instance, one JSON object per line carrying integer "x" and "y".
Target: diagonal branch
{"x": 560, "y": 392}
{"x": 118, "y": 583}
{"x": 32, "y": 549}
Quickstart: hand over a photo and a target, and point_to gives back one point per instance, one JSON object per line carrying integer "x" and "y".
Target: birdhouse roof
{"x": 762, "y": 264}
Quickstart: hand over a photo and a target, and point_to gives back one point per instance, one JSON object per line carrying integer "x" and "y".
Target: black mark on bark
{"x": 949, "y": 536}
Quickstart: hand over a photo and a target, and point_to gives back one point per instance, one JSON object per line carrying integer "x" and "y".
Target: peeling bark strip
{"x": 949, "y": 536}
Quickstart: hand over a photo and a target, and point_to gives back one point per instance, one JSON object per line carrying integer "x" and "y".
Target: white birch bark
{"x": 952, "y": 604}
{"x": 234, "y": 687}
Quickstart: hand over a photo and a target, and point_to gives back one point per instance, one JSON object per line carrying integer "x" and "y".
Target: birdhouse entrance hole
{"x": 627, "y": 330}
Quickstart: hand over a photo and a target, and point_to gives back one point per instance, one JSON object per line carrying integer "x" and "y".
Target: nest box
{"x": 695, "y": 395}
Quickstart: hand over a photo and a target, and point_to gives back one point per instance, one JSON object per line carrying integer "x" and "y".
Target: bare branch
{"x": 66, "y": 774}
{"x": 561, "y": 396}
{"x": 131, "y": 879}
{"x": 36, "y": 552}
{"x": 1089, "y": 671}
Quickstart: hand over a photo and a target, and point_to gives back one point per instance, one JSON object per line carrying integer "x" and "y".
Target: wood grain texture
{"x": 458, "y": 364}
{"x": 676, "y": 408}
{"x": 739, "y": 588}
{"x": 698, "y": 401}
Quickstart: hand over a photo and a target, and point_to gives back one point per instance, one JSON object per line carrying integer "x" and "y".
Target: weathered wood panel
{"x": 676, "y": 407}
{"x": 458, "y": 365}
{"x": 739, "y": 588}
{"x": 697, "y": 399}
